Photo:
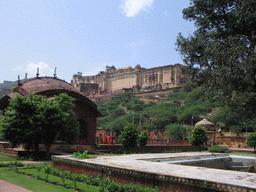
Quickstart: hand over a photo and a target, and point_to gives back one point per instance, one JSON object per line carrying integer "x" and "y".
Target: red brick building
{"x": 85, "y": 110}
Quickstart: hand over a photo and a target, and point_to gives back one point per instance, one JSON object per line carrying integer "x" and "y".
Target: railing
{"x": 168, "y": 142}
{"x": 153, "y": 142}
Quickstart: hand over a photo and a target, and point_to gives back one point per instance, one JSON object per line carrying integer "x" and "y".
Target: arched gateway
{"x": 85, "y": 110}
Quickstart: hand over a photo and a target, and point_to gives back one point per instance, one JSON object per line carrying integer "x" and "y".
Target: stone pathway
{"x": 242, "y": 149}
{"x": 8, "y": 187}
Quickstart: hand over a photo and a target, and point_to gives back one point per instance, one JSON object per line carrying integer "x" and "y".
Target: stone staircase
{"x": 238, "y": 166}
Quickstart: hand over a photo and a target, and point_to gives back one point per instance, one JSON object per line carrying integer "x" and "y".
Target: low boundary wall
{"x": 151, "y": 148}
{"x": 123, "y": 175}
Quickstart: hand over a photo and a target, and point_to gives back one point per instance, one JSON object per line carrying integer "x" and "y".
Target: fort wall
{"x": 113, "y": 79}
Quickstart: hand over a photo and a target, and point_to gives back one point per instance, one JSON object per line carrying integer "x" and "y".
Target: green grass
{"x": 243, "y": 153}
{"x": 4, "y": 158}
{"x": 38, "y": 185}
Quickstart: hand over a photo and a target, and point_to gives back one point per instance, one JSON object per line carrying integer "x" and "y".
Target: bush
{"x": 129, "y": 136}
{"x": 78, "y": 155}
{"x": 162, "y": 95}
{"x": 143, "y": 138}
{"x": 218, "y": 149}
{"x": 198, "y": 137}
{"x": 251, "y": 140}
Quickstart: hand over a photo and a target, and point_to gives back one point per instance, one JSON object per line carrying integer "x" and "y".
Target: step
{"x": 235, "y": 163}
{"x": 239, "y": 168}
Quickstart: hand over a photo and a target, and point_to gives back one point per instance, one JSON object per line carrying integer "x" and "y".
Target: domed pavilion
{"x": 210, "y": 129}
{"x": 85, "y": 110}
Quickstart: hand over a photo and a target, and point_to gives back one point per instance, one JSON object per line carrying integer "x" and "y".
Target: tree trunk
{"x": 48, "y": 154}
{"x": 36, "y": 151}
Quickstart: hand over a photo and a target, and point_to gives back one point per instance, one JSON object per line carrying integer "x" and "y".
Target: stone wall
{"x": 115, "y": 149}
{"x": 123, "y": 175}
{"x": 231, "y": 141}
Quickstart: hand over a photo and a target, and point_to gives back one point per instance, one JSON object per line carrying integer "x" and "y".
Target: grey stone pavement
{"x": 8, "y": 187}
{"x": 136, "y": 162}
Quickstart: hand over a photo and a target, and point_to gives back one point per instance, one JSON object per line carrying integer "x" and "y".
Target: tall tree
{"x": 220, "y": 55}
{"x": 176, "y": 131}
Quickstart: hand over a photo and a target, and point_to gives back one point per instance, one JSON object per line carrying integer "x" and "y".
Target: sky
{"x": 87, "y": 35}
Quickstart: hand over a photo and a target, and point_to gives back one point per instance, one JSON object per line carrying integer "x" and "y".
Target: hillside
{"x": 184, "y": 106}
{"x": 6, "y": 86}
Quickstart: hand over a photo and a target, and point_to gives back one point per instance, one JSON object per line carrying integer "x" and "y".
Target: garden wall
{"x": 150, "y": 148}
{"x": 122, "y": 175}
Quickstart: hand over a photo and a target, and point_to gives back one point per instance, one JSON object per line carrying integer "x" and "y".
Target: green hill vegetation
{"x": 126, "y": 109}
{"x": 6, "y": 87}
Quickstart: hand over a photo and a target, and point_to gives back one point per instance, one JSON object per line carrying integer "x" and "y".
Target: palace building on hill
{"x": 138, "y": 78}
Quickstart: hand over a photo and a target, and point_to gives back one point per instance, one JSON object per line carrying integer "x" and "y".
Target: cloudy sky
{"x": 86, "y": 35}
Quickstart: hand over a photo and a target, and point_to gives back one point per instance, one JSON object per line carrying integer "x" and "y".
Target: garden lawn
{"x": 4, "y": 158}
{"x": 38, "y": 185}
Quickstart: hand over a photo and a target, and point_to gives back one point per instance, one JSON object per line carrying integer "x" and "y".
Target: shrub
{"x": 78, "y": 155}
{"x": 251, "y": 140}
{"x": 198, "y": 137}
{"x": 218, "y": 149}
{"x": 162, "y": 95}
{"x": 129, "y": 136}
{"x": 143, "y": 138}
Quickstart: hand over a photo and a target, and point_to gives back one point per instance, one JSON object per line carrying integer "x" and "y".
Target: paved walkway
{"x": 8, "y": 187}
{"x": 251, "y": 149}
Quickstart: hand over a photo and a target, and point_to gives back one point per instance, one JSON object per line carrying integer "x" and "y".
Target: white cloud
{"x": 133, "y": 7}
{"x": 31, "y": 69}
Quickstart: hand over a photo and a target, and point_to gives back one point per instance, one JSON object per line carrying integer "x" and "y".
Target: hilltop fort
{"x": 128, "y": 78}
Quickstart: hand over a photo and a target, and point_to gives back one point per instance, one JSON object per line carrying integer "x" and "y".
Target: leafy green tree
{"x": 187, "y": 87}
{"x": 176, "y": 131}
{"x": 198, "y": 136}
{"x": 34, "y": 120}
{"x": 143, "y": 138}
{"x": 19, "y": 123}
{"x": 117, "y": 112}
{"x": 188, "y": 113}
{"x": 220, "y": 55}
{"x": 138, "y": 107}
{"x": 117, "y": 125}
{"x": 251, "y": 140}
{"x": 165, "y": 118}
{"x": 58, "y": 118}
{"x": 129, "y": 137}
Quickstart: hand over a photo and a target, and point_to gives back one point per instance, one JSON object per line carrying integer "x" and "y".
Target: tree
{"x": 220, "y": 55}
{"x": 176, "y": 131}
{"x": 129, "y": 136}
{"x": 251, "y": 140}
{"x": 19, "y": 123}
{"x": 143, "y": 138}
{"x": 198, "y": 136}
{"x": 34, "y": 120}
{"x": 58, "y": 118}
